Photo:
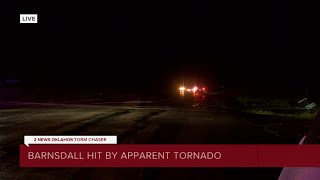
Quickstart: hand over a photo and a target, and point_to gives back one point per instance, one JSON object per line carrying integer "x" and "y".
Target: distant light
{"x": 182, "y": 88}
{"x": 203, "y": 89}
{"x": 181, "y": 93}
{"x": 189, "y": 90}
{"x": 195, "y": 89}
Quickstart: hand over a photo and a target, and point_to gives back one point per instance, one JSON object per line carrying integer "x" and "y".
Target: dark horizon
{"x": 243, "y": 44}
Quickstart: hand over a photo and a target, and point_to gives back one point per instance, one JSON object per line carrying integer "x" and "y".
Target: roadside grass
{"x": 276, "y": 107}
{"x": 261, "y": 102}
{"x": 305, "y": 114}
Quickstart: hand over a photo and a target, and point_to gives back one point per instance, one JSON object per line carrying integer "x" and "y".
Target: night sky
{"x": 269, "y": 46}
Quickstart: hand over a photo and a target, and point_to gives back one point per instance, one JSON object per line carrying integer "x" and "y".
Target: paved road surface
{"x": 132, "y": 125}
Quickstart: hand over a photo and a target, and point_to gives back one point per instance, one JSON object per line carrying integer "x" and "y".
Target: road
{"x": 132, "y": 124}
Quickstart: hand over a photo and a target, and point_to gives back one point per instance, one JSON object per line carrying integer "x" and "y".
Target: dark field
{"x": 148, "y": 124}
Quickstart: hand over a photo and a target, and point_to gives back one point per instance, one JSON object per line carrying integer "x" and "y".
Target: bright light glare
{"x": 195, "y": 89}
{"x": 188, "y": 90}
{"x": 182, "y": 88}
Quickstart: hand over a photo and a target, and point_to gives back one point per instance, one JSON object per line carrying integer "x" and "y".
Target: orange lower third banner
{"x": 126, "y": 155}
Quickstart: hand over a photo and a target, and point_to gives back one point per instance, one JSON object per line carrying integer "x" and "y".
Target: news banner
{"x": 103, "y": 151}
